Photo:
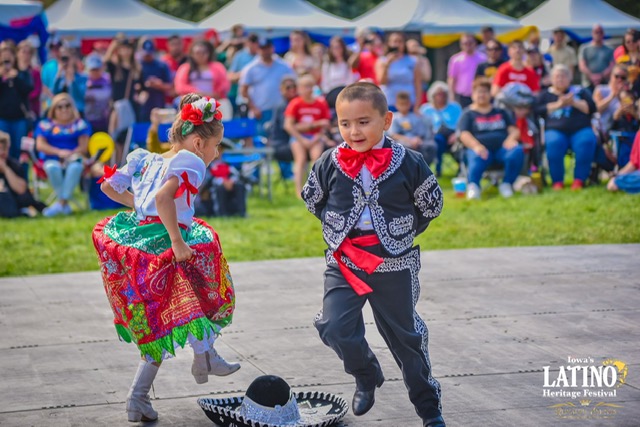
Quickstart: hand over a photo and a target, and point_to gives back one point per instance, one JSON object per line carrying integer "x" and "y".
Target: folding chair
{"x": 622, "y": 143}
{"x": 248, "y": 159}
{"x": 136, "y": 138}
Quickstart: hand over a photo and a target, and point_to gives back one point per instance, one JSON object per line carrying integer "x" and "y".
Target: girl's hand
{"x": 181, "y": 251}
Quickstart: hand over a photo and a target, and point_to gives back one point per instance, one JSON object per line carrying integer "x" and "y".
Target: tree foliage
{"x": 197, "y": 10}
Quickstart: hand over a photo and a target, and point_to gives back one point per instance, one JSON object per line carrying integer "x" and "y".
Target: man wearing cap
{"x": 260, "y": 82}
{"x": 156, "y": 81}
{"x": 561, "y": 52}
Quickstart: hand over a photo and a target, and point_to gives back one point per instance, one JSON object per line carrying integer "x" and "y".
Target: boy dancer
{"x": 373, "y": 197}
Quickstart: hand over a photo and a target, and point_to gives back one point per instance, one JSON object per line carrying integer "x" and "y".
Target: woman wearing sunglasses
{"x": 61, "y": 141}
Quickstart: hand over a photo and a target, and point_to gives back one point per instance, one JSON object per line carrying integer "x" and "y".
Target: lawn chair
{"x": 136, "y": 138}
{"x": 250, "y": 153}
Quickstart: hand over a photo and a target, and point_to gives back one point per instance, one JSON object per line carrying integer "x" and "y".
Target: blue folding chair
{"x": 622, "y": 143}
{"x": 237, "y": 131}
{"x": 136, "y": 138}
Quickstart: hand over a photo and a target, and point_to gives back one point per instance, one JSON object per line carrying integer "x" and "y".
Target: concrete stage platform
{"x": 497, "y": 317}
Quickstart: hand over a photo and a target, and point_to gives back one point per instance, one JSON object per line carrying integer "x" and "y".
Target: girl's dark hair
{"x": 345, "y": 50}
{"x": 119, "y": 73}
{"x": 306, "y": 38}
{"x": 193, "y": 67}
{"x": 205, "y": 131}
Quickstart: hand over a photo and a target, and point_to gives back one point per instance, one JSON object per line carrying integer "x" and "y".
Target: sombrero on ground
{"x": 269, "y": 402}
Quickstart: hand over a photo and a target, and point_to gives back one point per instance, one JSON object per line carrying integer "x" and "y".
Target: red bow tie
{"x": 108, "y": 172}
{"x": 187, "y": 187}
{"x": 376, "y": 161}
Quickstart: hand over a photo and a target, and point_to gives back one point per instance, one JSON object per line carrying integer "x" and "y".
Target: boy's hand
{"x": 181, "y": 251}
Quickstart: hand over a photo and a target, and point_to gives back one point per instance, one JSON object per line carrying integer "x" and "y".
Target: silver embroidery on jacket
{"x": 335, "y": 220}
{"x": 428, "y": 197}
{"x": 312, "y": 192}
{"x": 402, "y": 225}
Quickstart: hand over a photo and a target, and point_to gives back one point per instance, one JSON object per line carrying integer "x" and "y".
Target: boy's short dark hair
{"x": 481, "y": 82}
{"x": 364, "y": 91}
{"x": 403, "y": 95}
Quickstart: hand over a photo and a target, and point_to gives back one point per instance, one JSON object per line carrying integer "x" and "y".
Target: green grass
{"x": 284, "y": 228}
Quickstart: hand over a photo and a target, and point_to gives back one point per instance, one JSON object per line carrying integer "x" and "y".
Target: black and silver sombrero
{"x": 302, "y": 409}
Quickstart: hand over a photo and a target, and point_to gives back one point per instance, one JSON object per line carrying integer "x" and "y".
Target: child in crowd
{"x": 628, "y": 178}
{"x": 625, "y": 119}
{"x": 373, "y": 197}
{"x": 412, "y": 130}
{"x": 306, "y": 120}
{"x": 166, "y": 278}
{"x": 223, "y": 191}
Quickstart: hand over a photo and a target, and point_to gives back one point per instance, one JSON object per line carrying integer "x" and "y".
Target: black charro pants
{"x": 395, "y": 293}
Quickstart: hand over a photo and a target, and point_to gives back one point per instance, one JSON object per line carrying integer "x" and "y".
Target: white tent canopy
{"x": 106, "y": 18}
{"x": 434, "y": 17}
{"x": 276, "y": 18}
{"x": 16, "y": 9}
{"x": 579, "y": 16}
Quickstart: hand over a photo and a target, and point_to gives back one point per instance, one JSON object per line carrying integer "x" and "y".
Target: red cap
{"x": 212, "y": 34}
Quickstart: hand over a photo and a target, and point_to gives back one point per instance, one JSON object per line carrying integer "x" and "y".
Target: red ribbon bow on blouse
{"x": 376, "y": 161}
{"x": 187, "y": 187}
{"x": 108, "y": 173}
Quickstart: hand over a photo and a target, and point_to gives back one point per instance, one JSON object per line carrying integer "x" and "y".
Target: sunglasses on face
{"x": 620, "y": 77}
{"x": 493, "y": 49}
{"x": 289, "y": 87}
{"x": 63, "y": 106}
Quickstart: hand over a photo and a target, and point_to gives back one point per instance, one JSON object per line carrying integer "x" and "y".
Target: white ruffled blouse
{"x": 145, "y": 173}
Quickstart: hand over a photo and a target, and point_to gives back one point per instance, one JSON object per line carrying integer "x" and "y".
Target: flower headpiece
{"x": 199, "y": 112}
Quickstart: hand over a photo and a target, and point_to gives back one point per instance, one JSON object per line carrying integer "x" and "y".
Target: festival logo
{"x": 592, "y": 387}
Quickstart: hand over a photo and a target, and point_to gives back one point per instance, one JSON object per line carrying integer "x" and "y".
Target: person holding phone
{"x": 397, "y": 71}
{"x": 69, "y": 79}
{"x": 15, "y": 86}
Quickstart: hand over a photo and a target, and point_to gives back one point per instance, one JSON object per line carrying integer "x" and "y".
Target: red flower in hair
{"x": 218, "y": 115}
{"x": 191, "y": 114}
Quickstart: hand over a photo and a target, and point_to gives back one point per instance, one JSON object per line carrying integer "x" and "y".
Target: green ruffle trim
{"x": 199, "y": 328}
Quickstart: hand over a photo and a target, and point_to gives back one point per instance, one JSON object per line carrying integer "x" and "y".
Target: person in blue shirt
{"x": 412, "y": 130}
{"x": 62, "y": 140}
{"x": 444, "y": 115}
{"x": 260, "y": 83}
{"x": 240, "y": 60}
{"x": 69, "y": 78}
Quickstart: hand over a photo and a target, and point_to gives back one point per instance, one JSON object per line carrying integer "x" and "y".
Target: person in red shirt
{"x": 514, "y": 70}
{"x": 306, "y": 119}
{"x": 364, "y": 61}
{"x": 628, "y": 178}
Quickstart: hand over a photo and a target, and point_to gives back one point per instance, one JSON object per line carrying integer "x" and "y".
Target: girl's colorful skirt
{"x": 159, "y": 303}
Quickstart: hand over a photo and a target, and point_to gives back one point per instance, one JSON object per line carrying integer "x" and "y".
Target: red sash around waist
{"x": 361, "y": 258}
{"x": 157, "y": 220}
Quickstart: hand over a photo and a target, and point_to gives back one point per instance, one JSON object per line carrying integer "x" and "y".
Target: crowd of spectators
{"x": 582, "y": 96}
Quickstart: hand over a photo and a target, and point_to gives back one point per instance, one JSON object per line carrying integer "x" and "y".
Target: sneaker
{"x": 578, "y": 184}
{"x": 557, "y": 186}
{"x": 473, "y": 191}
{"x": 506, "y": 190}
{"x": 66, "y": 209}
{"x": 53, "y": 210}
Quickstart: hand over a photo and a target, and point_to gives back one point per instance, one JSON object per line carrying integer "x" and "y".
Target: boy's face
{"x": 361, "y": 125}
{"x": 403, "y": 106}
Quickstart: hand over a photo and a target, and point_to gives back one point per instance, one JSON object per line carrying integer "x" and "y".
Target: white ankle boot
{"x": 211, "y": 363}
{"x": 138, "y": 401}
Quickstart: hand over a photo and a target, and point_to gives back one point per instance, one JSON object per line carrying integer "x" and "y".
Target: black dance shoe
{"x": 434, "y": 422}
{"x": 364, "y": 400}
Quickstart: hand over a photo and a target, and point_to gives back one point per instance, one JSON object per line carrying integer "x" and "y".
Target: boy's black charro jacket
{"x": 403, "y": 199}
